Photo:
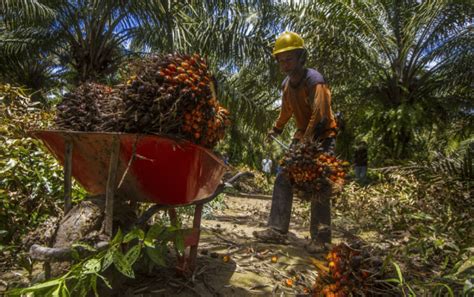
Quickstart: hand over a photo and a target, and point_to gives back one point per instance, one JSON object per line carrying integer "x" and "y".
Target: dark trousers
{"x": 282, "y": 201}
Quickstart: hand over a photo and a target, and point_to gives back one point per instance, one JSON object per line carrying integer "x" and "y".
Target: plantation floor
{"x": 231, "y": 262}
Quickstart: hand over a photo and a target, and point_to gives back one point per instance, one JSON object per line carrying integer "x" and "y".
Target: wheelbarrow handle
{"x": 220, "y": 188}
{"x": 233, "y": 179}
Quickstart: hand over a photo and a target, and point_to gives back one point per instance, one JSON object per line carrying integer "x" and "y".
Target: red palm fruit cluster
{"x": 350, "y": 272}
{"x": 206, "y": 123}
{"x": 89, "y": 107}
{"x": 173, "y": 94}
{"x": 310, "y": 169}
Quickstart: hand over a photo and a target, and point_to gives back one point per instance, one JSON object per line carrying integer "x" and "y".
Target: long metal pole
{"x": 279, "y": 142}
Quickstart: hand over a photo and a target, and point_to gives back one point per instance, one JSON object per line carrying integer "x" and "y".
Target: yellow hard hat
{"x": 288, "y": 41}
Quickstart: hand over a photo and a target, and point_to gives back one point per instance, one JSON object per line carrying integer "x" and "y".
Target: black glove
{"x": 294, "y": 142}
{"x": 270, "y": 136}
{"x": 274, "y": 132}
{"x": 320, "y": 127}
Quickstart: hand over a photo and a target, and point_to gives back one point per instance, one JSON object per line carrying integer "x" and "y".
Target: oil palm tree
{"x": 406, "y": 64}
{"x": 23, "y": 60}
{"x": 88, "y": 39}
{"x": 236, "y": 37}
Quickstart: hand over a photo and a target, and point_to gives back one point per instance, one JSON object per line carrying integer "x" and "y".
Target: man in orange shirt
{"x": 307, "y": 98}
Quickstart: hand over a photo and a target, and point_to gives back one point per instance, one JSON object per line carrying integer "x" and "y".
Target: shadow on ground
{"x": 231, "y": 262}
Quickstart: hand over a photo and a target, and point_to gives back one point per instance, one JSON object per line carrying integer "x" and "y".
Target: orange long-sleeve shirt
{"x": 310, "y": 104}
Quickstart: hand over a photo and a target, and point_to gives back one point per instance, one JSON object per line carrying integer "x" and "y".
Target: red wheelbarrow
{"x": 143, "y": 168}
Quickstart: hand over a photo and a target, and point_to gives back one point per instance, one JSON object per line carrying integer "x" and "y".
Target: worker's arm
{"x": 321, "y": 112}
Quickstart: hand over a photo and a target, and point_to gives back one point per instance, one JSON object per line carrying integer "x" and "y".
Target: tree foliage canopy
{"x": 401, "y": 71}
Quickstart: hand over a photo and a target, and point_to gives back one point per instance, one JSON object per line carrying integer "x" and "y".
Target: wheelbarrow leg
{"x": 181, "y": 259}
{"x": 47, "y": 269}
{"x": 111, "y": 186}
{"x": 196, "y": 234}
{"x": 187, "y": 262}
{"x": 67, "y": 176}
{"x": 67, "y": 191}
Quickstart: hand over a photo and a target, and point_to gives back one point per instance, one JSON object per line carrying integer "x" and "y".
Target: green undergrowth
{"x": 31, "y": 180}
{"x": 422, "y": 217}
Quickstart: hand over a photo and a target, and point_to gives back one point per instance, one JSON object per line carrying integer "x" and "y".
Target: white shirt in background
{"x": 267, "y": 165}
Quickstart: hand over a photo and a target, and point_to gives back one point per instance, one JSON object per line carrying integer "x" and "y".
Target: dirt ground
{"x": 231, "y": 262}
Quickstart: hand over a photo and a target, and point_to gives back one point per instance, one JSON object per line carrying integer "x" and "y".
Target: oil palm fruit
{"x": 177, "y": 95}
{"x": 171, "y": 94}
{"x": 311, "y": 170}
{"x": 90, "y": 107}
{"x": 351, "y": 270}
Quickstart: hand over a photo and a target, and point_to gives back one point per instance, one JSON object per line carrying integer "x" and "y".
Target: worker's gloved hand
{"x": 305, "y": 140}
{"x": 320, "y": 127}
{"x": 294, "y": 142}
{"x": 270, "y": 135}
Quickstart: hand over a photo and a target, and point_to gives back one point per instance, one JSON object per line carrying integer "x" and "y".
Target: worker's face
{"x": 289, "y": 62}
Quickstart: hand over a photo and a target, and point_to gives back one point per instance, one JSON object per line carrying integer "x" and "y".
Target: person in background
{"x": 267, "y": 167}
{"x": 360, "y": 161}
{"x": 278, "y": 169}
{"x": 307, "y": 98}
{"x": 226, "y": 159}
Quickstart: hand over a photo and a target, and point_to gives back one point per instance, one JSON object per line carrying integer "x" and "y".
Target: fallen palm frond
{"x": 422, "y": 216}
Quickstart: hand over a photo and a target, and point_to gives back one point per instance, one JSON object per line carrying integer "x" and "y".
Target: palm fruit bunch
{"x": 174, "y": 94}
{"x": 206, "y": 123}
{"x": 90, "y": 107}
{"x": 351, "y": 271}
{"x": 311, "y": 170}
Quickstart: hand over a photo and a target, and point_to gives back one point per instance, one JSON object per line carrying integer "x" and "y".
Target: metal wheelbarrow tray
{"x": 143, "y": 168}
{"x": 150, "y": 168}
